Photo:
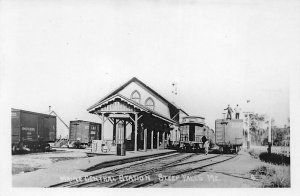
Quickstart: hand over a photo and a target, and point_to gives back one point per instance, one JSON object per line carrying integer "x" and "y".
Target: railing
{"x": 285, "y": 150}
{"x": 184, "y": 137}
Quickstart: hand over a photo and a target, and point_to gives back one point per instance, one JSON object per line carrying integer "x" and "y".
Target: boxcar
{"x": 229, "y": 134}
{"x": 84, "y": 131}
{"x": 32, "y": 131}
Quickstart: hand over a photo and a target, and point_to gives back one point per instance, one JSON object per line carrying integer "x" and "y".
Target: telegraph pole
{"x": 270, "y": 136}
{"x": 248, "y": 128}
{"x": 248, "y": 131}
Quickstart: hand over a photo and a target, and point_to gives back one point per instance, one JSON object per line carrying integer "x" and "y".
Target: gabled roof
{"x": 180, "y": 108}
{"x": 134, "y": 79}
{"x": 113, "y": 97}
{"x": 184, "y": 111}
{"x": 131, "y": 102}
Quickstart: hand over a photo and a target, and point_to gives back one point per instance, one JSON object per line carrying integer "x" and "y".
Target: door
{"x": 192, "y": 132}
{"x": 40, "y": 129}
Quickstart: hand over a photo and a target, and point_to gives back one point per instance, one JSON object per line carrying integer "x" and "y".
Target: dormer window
{"x": 136, "y": 96}
{"x": 149, "y": 103}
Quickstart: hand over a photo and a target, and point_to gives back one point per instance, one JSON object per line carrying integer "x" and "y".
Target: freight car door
{"x": 40, "y": 129}
{"x": 52, "y": 129}
{"x": 29, "y": 126}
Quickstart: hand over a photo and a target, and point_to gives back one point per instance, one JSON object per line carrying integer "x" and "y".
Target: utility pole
{"x": 248, "y": 126}
{"x": 247, "y": 114}
{"x": 248, "y": 135}
{"x": 270, "y": 135}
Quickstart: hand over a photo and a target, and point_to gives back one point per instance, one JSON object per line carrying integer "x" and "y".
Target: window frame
{"x": 134, "y": 99}
{"x": 152, "y": 107}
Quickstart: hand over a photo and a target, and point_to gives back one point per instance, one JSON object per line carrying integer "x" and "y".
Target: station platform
{"x": 71, "y": 169}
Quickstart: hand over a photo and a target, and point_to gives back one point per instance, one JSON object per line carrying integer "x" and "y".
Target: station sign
{"x": 119, "y": 116}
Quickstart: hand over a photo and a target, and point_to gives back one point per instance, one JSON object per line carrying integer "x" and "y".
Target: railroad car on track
{"x": 229, "y": 134}
{"x": 32, "y": 131}
{"x": 84, "y": 131}
{"x": 192, "y": 134}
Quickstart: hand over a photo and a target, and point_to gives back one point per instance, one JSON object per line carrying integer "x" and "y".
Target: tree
{"x": 254, "y": 122}
{"x": 255, "y": 130}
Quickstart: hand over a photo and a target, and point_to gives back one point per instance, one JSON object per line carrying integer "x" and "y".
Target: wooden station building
{"x": 135, "y": 107}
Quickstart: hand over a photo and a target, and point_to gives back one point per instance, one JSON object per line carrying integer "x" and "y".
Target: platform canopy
{"x": 119, "y": 104}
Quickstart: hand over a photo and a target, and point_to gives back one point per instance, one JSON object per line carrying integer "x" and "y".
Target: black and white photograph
{"x": 149, "y": 94}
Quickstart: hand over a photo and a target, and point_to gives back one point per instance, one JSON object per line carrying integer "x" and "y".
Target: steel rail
{"x": 149, "y": 171}
{"x": 141, "y": 173}
{"x": 75, "y": 182}
{"x": 152, "y": 182}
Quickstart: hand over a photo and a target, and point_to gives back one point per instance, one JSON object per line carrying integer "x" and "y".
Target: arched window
{"x": 149, "y": 103}
{"x": 136, "y": 96}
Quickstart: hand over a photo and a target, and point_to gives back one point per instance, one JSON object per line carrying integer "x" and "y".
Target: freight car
{"x": 229, "y": 134}
{"x": 84, "y": 132}
{"x": 193, "y": 133}
{"x": 32, "y": 131}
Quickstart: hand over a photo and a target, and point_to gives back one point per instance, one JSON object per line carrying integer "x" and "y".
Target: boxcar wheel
{"x": 14, "y": 149}
{"x": 47, "y": 148}
{"x": 221, "y": 150}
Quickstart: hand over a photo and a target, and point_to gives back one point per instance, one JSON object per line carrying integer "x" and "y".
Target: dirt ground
{"x": 234, "y": 173}
{"x": 30, "y": 162}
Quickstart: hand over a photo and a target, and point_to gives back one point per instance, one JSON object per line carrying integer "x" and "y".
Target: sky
{"x": 69, "y": 54}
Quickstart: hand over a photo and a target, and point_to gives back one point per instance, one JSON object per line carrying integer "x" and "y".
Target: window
{"x": 149, "y": 103}
{"x": 136, "y": 96}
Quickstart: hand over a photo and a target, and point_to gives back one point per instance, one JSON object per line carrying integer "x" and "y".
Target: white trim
{"x": 164, "y": 119}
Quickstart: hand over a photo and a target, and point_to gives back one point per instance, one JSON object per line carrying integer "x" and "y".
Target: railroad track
{"x": 111, "y": 173}
{"x": 136, "y": 178}
{"x": 178, "y": 172}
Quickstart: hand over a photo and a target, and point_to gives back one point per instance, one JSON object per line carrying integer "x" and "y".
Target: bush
{"x": 274, "y": 175}
{"x": 277, "y": 159}
{"x": 263, "y": 170}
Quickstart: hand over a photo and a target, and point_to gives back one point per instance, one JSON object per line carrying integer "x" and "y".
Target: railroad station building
{"x": 139, "y": 116}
